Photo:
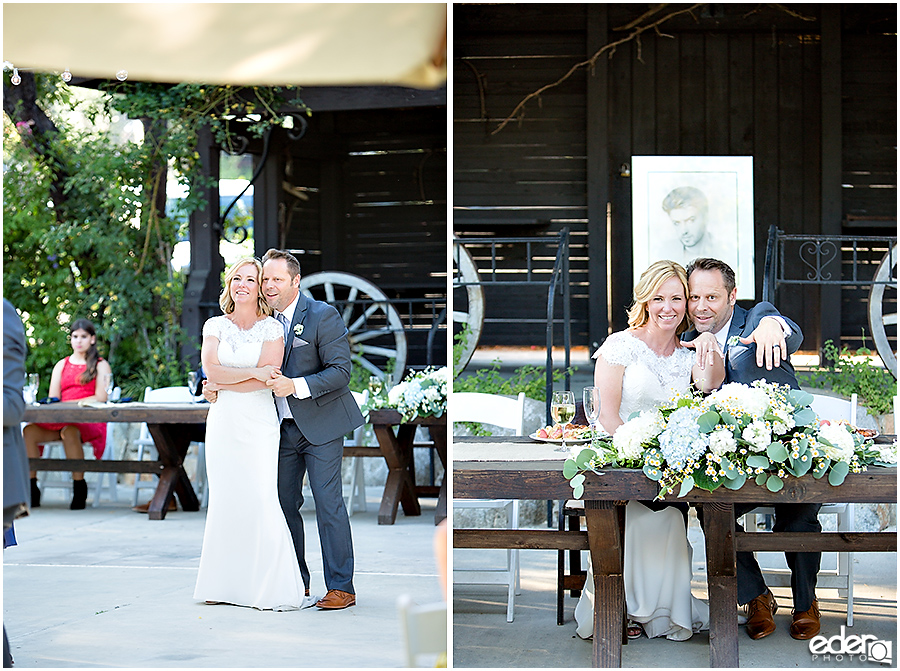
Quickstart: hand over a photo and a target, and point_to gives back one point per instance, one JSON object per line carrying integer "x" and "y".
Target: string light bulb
{"x": 66, "y": 76}
{"x": 122, "y": 75}
{"x": 15, "y": 79}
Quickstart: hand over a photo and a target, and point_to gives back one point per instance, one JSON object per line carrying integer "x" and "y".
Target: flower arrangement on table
{"x": 421, "y": 394}
{"x": 762, "y": 432}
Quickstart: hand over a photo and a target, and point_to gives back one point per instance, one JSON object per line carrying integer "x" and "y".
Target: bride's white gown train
{"x": 248, "y": 556}
{"x": 657, "y": 571}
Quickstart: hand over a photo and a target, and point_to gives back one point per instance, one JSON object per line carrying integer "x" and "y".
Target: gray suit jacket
{"x": 16, "y": 492}
{"x": 321, "y": 354}
{"x": 740, "y": 359}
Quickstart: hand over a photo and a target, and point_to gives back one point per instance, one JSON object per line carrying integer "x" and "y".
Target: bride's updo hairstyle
{"x": 226, "y": 302}
{"x": 648, "y": 286}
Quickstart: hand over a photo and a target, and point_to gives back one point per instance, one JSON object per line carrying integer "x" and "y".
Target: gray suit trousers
{"x": 296, "y": 457}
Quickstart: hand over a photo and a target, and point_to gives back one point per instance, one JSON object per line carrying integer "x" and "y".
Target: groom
{"x": 316, "y": 409}
{"x": 757, "y": 345}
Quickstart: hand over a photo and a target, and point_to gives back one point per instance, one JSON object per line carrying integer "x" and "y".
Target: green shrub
{"x": 874, "y": 385}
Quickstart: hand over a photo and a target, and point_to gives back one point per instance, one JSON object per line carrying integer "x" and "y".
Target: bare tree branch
{"x": 611, "y": 46}
{"x": 636, "y": 30}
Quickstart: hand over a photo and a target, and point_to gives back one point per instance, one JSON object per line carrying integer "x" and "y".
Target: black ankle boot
{"x": 79, "y": 495}
{"x": 35, "y": 494}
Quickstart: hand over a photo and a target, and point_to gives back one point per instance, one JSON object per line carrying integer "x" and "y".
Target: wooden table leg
{"x": 606, "y": 550}
{"x": 439, "y": 436}
{"x": 172, "y": 442}
{"x": 718, "y": 521}
{"x": 400, "y": 487}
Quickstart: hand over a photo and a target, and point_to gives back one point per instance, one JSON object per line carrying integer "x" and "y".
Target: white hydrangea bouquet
{"x": 762, "y": 432}
{"x": 421, "y": 393}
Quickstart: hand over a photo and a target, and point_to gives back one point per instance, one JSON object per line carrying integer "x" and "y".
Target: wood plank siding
{"x": 731, "y": 79}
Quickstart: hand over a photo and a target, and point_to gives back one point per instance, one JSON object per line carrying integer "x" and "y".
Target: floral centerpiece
{"x": 421, "y": 393}
{"x": 761, "y": 432}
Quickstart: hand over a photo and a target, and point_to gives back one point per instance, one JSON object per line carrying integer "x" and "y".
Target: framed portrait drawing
{"x": 685, "y": 207}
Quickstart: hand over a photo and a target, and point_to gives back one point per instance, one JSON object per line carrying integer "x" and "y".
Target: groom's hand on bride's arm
{"x": 209, "y": 393}
{"x": 280, "y": 385}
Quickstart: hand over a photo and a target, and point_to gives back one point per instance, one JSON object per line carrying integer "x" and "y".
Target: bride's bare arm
{"x": 250, "y": 378}
{"x": 609, "y": 379}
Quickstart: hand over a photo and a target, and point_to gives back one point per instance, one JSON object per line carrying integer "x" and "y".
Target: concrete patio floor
{"x": 483, "y": 638}
{"x": 107, "y": 588}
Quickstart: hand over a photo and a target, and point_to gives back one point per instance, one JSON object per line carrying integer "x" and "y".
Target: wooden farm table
{"x": 518, "y": 468}
{"x": 172, "y": 425}
{"x": 397, "y": 450}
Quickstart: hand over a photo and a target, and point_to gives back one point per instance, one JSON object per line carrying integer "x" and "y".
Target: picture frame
{"x": 685, "y": 207}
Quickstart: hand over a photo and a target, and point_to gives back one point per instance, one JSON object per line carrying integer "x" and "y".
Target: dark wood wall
{"x": 809, "y": 92}
{"x": 375, "y": 187}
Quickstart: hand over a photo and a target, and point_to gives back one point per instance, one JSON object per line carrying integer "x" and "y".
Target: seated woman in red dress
{"x": 80, "y": 376}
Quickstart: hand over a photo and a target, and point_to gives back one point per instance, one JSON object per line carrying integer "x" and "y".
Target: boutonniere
{"x": 734, "y": 340}
{"x": 298, "y": 330}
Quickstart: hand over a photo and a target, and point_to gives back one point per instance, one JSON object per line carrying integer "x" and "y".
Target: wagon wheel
{"x": 376, "y": 330}
{"x": 468, "y": 304}
{"x": 878, "y": 320}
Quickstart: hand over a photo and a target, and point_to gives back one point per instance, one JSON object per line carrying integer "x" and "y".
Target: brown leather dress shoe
{"x": 806, "y": 624}
{"x": 335, "y": 599}
{"x": 145, "y": 507}
{"x": 760, "y": 615}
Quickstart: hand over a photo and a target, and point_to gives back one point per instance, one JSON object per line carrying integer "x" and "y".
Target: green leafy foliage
{"x": 530, "y": 379}
{"x": 83, "y": 236}
{"x": 874, "y": 385}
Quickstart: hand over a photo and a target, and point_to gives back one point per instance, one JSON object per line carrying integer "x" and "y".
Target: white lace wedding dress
{"x": 248, "y": 556}
{"x": 657, "y": 571}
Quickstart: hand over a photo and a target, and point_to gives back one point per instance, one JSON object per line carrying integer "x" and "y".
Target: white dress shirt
{"x": 301, "y": 387}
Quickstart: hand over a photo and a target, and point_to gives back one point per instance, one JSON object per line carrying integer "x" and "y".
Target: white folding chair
{"x": 424, "y": 630}
{"x": 841, "y": 577}
{"x": 146, "y": 446}
{"x": 356, "y": 498}
{"x": 507, "y": 413}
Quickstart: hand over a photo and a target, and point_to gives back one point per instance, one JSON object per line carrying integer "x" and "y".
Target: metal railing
{"x": 556, "y": 281}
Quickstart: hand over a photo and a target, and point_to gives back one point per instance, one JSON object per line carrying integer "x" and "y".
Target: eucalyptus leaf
{"x": 735, "y": 483}
{"x": 774, "y": 483}
{"x": 799, "y": 467}
{"x": 761, "y": 479}
{"x": 821, "y": 468}
{"x": 578, "y": 491}
{"x": 804, "y": 417}
{"x": 800, "y": 398}
{"x": 686, "y": 485}
{"x": 777, "y": 452}
{"x": 569, "y": 469}
{"x": 728, "y": 418}
{"x": 838, "y": 473}
{"x": 731, "y": 471}
{"x": 757, "y": 461}
{"x": 584, "y": 458}
{"x": 708, "y": 421}
{"x": 652, "y": 472}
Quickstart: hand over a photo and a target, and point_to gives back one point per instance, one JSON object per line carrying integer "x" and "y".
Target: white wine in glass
{"x": 562, "y": 409}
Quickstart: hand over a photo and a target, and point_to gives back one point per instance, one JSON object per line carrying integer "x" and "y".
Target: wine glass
{"x": 592, "y": 408}
{"x": 375, "y": 385}
{"x": 562, "y": 409}
{"x": 192, "y": 382}
{"x": 110, "y": 387}
{"x": 30, "y": 390}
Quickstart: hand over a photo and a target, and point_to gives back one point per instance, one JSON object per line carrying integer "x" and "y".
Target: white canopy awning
{"x": 304, "y": 44}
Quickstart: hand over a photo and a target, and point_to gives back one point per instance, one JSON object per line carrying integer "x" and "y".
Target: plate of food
{"x": 575, "y": 433}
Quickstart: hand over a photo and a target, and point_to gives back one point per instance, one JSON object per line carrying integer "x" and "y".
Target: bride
{"x": 248, "y": 556}
{"x": 640, "y": 369}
